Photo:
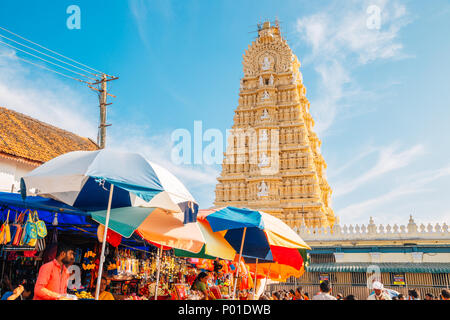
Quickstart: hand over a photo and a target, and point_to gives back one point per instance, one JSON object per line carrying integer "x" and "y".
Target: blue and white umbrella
{"x": 82, "y": 179}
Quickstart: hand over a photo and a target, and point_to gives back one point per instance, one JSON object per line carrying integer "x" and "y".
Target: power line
{"x": 104, "y": 78}
{"x": 9, "y": 45}
{"x": 38, "y": 65}
{"x": 94, "y": 74}
{"x": 99, "y": 72}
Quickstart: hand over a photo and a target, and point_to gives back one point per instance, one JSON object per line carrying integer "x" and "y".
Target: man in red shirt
{"x": 51, "y": 283}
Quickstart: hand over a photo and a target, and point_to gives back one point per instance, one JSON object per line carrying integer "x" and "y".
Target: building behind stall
{"x": 404, "y": 257}
{"x": 26, "y": 143}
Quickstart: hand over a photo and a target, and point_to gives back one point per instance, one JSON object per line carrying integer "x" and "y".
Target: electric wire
{"x": 9, "y": 45}
{"x": 94, "y": 74}
{"x": 100, "y": 72}
{"x": 60, "y": 73}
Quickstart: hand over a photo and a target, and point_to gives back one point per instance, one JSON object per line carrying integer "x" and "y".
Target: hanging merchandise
{"x": 5, "y": 232}
{"x": 88, "y": 267}
{"x": 31, "y": 236}
{"x": 113, "y": 238}
{"x": 40, "y": 226}
{"x": 55, "y": 220}
{"x": 41, "y": 244}
{"x": 19, "y": 229}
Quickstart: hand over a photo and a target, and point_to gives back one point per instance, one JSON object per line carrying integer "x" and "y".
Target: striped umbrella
{"x": 256, "y": 234}
{"x": 83, "y": 179}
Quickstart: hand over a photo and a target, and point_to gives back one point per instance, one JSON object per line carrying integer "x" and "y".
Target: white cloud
{"x": 389, "y": 159}
{"x": 140, "y": 9}
{"x": 39, "y": 94}
{"x": 414, "y": 185}
{"x": 354, "y": 160}
{"x": 340, "y": 41}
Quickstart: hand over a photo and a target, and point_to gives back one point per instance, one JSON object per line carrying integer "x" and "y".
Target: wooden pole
{"x": 102, "y": 127}
{"x": 102, "y": 255}
{"x": 254, "y": 282}
{"x": 158, "y": 262}
{"x": 265, "y": 283}
{"x": 239, "y": 262}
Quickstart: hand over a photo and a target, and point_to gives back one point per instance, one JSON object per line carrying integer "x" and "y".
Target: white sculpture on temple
{"x": 265, "y": 95}
{"x": 265, "y": 115}
{"x": 242, "y": 85}
{"x": 264, "y": 136}
{"x": 263, "y": 160}
{"x": 261, "y": 83}
{"x": 266, "y": 64}
{"x": 271, "y": 80}
{"x": 263, "y": 190}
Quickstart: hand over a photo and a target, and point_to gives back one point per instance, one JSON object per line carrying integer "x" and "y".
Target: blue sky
{"x": 380, "y": 98}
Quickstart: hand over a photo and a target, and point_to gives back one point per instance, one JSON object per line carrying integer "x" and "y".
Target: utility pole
{"x": 102, "y": 96}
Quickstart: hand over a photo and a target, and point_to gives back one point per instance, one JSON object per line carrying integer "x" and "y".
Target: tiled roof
{"x": 26, "y": 139}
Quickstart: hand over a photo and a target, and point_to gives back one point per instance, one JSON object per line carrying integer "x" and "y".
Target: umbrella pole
{"x": 158, "y": 271}
{"x": 239, "y": 262}
{"x": 254, "y": 282}
{"x": 265, "y": 282}
{"x": 102, "y": 256}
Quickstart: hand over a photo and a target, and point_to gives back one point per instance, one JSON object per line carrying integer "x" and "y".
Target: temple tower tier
{"x": 273, "y": 161}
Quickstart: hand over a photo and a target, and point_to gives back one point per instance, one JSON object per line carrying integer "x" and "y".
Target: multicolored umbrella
{"x": 276, "y": 271}
{"x": 82, "y": 179}
{"x": 215, "y": 245}
{"x": 266, "y": 237}
{"x": 256, "y": 234}
{"x": 155, "y": 225}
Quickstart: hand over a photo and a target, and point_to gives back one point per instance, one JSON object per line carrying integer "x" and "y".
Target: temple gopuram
{"x": 273, "y": 161}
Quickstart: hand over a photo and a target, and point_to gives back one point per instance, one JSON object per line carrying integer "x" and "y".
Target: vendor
{"x": 51, "y": 283}
{"x": 104, "y": 295}
{"x": 200, "y": 284}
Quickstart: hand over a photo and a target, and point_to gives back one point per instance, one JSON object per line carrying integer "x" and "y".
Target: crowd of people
{"x": 379, "y": 293}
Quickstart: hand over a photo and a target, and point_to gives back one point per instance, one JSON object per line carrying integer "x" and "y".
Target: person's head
{"x": 299, "y": 291}
{"x": 291, "y": 293}
{"x": 263, "y": 297}
{"x": 339, "y": 296}
{"x": 401, "y": 296}
{"x": 377, "y": 287}
{"x": 203, "y": 277}
{"x": 350, "y": 297}
{"x": 103, "y": 284}
{"x": 445, "y": 294}
{"x": 276, "y": 295}
{"x": 28, "y": 288}
{"x": 65, "y": 254}
{"x": 413, "y": 294}
{"x": 395, "y": 298}
{"x": 306, "y": 294}
{"x": 429, "y": 296}
{"x": 325, "y": 286}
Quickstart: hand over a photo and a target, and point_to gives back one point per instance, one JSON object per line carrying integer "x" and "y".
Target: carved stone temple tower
{"x": 273, "y": 162}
